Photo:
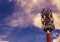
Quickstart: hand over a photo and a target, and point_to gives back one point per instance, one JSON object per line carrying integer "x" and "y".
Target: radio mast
{"x": 47, "y": 21}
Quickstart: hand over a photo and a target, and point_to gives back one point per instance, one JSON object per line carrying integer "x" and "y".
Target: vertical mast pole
{"x": 48, "y": 36}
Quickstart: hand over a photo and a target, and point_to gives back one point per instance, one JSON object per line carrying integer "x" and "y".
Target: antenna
{"x": 47, "y": 21}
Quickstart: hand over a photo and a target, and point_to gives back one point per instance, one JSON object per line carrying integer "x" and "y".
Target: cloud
{"x": 57, "y": 39}
{"x": 31, "y": 5}
{"x": 37, "y": 20}
{"x": 2, "y": 38}
{"x": 18, "y": 20}
{"x": 28, "y": 12}
{"x": 3, "y": 41}
{"x": 56, "y": 20}
{"x": 23, "y": 17}
{"x": 37, "y": 5}
{"x": 55, "y": 36}
{"x": 56, "y": 3}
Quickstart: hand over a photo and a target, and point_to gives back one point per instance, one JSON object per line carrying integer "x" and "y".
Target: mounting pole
{"x": 48, "y": 36}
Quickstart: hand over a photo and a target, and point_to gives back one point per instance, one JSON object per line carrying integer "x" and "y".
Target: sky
{"x": 20, "y": 20}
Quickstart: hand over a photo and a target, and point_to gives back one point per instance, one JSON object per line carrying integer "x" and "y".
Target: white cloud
{"x": 57, "y": 39}
{"x": 1, "y": 38}
{"x": 29, "y": 5}
{"x": 55, "y": 35}
{"x": 56, "y": 20}
{"x": 3, "y": 41}
{"x": 56, "y": 3}
{"x": 37, "y": 20}
{"x": 18, "y": 20}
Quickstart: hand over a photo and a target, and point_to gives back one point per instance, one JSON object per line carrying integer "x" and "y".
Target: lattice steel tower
{"x": 47, "y": 21}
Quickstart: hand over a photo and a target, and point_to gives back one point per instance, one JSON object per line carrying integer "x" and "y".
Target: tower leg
{"x": 48, "y": 36}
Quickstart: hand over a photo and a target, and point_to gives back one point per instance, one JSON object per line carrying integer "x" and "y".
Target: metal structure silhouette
{"x": 47, "y": 21}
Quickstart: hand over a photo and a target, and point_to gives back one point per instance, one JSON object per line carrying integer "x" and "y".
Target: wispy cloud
{"x": 57, "y": 39}
{"x": 28, "y": 11}
{"x": 2, "y": 38}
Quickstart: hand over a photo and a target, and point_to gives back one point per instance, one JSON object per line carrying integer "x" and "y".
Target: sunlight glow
{"x": 37, "y": 20}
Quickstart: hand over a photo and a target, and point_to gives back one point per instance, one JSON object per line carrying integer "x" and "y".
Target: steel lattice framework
{"x": 47, "y": 22}
{"x": 47, "y": 19}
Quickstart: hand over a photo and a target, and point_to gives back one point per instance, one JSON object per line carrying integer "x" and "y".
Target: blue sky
{"x": 16, "y": 21}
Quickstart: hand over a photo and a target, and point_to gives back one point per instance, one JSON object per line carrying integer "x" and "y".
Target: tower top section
{"x": 47, "y": 19}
